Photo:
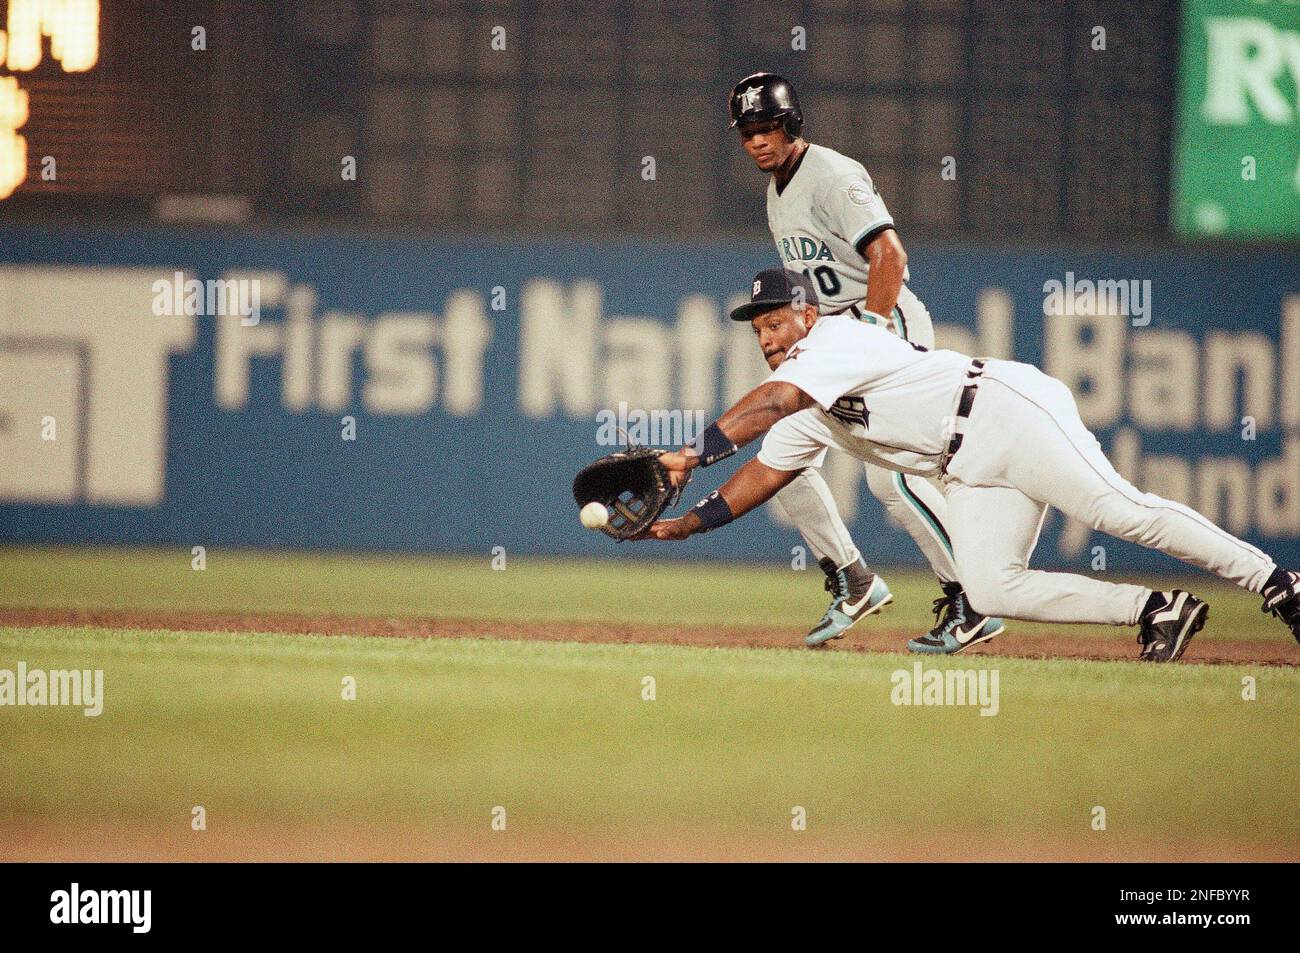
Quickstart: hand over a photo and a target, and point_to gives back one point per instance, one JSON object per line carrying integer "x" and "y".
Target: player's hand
{"x": 674, "y": 529}
{"x": 679, "y": 464}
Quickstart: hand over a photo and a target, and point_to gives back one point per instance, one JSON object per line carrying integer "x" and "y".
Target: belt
{"x": 964, "y": 405}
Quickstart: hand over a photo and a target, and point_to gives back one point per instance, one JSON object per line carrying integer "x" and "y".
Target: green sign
{"x": 1237, "y": 154}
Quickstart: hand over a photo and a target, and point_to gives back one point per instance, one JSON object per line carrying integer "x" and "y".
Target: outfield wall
{"x": 439, "y": 394}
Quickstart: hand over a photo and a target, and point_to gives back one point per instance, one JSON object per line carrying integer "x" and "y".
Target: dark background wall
{"x": 1051, "y": 138}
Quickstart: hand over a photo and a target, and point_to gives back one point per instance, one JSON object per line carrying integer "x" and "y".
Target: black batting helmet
{"x": 766, "y": 96}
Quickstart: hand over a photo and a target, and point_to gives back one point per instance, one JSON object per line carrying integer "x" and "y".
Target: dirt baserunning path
{"x": 863, "y": 638}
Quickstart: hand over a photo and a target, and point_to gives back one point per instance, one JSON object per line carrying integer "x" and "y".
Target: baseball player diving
{"x": 831, "y": 225}
{"x": 1006, "y": 440}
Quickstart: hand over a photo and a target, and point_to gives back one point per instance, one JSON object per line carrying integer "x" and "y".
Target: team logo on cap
{"x": 750, "y": 99}
{"x": 758, "y": 286}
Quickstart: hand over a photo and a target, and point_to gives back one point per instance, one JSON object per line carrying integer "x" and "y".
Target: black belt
{"x": 965, "y": 403}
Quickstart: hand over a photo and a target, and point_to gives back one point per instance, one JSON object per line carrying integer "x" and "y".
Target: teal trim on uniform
{"x": 925, "y": 513}
{"x": 902, "y": 324}
{"x": 873, "y": 227}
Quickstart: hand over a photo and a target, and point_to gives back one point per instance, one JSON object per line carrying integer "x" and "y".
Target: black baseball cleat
{"x": 957, "y": 627}
{"x": 1282, "y": 599}
{"x": 1168, "y": 624}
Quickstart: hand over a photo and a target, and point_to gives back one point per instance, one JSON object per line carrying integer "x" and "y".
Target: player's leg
{"x": 994, "y": 531}
{"x": 807, "y": 503}
{"x": 1026, "y": 432}
{"x": 856, "y": 591}
{"x": 1058, "y": 461}
{"x": 918, "y": 505}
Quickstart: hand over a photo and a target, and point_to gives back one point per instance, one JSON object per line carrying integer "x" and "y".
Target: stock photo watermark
{"x": 952, "y": 687}
{"x": 1119, "y": 297}
{"x": 648, "y": 428}
{"x": 216, "y": 297}
{"x": 74, "y": 906}
{"x": 25, "y": 687}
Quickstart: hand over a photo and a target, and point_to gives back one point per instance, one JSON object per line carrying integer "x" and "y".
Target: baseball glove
{"x": 632, "y": 484}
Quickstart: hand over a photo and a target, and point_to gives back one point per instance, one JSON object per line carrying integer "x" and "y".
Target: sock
{"x": 1280, "y": 577}
{"x": 857, "y": 572}
{"x": 1155, "y": 601}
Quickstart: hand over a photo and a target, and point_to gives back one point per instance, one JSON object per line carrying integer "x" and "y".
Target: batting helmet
{"x": 766, "y": 96}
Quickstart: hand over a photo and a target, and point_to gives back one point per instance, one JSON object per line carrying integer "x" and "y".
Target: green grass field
{"x": 253, "y": 726}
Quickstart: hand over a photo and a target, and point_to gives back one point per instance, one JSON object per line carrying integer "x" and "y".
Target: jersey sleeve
{"x": 794, "y": 443}
{"x": 851, "y": 207}
{"x": 829, "y": 363}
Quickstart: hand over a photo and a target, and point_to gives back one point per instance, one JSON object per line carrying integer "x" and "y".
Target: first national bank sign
{"x": 1210, "y": 418}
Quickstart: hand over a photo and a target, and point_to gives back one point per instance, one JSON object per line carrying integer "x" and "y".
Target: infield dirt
{"x": 863, "y": 638}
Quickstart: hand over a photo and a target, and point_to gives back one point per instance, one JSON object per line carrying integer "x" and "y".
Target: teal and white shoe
{"x": 958, "y": 625}
{"x": 856, "y": 592}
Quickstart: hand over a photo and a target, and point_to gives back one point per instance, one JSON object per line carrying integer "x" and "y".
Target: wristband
{"x": 713, "y": 445}
{"x": 712, "y": 511}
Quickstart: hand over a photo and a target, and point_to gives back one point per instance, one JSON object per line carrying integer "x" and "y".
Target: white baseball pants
{"x": 1025, "y": 448}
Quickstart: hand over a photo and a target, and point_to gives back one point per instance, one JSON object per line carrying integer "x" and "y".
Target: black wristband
{"x": 712, "y": 512}
{"x": 713, "y": 445}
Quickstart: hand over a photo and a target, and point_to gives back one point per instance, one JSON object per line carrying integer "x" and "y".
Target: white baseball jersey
{"x": 878, "y": 398}
{"x": 826, "y": 209}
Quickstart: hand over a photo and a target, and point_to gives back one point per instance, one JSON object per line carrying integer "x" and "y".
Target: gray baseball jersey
{"x": 818, "y": 221}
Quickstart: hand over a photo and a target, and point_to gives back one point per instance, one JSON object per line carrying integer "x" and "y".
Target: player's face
{"x": 777, "y": 330}
{"x": 766, "y": 143}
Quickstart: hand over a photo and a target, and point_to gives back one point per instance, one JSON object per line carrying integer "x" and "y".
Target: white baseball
{"x": 594, "y": 515}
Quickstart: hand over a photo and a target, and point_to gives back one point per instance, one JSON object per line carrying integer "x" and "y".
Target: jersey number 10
{"x": 828, "y": 283}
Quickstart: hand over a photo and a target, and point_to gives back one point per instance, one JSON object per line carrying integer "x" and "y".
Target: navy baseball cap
{"x": 773, "y": 288}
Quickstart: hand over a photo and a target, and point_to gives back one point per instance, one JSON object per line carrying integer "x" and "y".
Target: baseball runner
{"x": 831, "y": 225}
{"x": 1006, "y": 439}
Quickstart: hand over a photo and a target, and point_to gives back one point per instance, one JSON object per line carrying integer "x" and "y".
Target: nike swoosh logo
{"x": 964, "y": 637}
{"x": 851, "y": 608}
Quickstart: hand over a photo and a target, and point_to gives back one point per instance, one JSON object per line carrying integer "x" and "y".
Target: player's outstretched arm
{"x": 752, "y": 485}
{"x": 756, "y": 413}
{"x": 751, "y": 417}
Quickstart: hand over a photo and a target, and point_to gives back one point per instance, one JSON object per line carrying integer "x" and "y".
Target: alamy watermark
{"x": 952, "y": 687}
{"x": 215, "y": 297}
{"x": 129, "y": 907}
{"x": 648, "y": 428}
{"x": 37, "y": 687}
{"x": 1120, "y": 297}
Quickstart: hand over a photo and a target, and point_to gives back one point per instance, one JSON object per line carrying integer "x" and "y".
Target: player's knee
{"x": 1135, "y": 520}
{"x": 983, "y": 592}
{"x": 994, "y": 591}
